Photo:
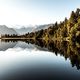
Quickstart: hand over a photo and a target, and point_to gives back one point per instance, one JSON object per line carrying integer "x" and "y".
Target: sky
{"x": 35, "y": 12}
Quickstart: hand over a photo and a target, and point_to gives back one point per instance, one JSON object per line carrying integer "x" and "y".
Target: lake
{"x": 23, "y": 60}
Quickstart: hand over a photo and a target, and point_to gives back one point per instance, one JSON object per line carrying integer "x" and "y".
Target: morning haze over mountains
{"x": 24, "y": 29}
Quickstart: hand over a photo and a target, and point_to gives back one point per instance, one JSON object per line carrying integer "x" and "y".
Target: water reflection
{"x": 69, "y": 50}
{"x": 4, "y": 46}
{"x": 45, "y": 64}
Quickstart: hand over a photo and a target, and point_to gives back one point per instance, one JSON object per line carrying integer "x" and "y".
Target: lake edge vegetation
{"x": 67, "y": 30}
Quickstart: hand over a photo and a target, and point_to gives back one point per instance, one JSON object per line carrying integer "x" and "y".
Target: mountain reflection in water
{"x": 69, "y": 50}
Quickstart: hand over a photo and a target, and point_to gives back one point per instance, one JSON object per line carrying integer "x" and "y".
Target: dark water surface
{"x": 23, "y": 61}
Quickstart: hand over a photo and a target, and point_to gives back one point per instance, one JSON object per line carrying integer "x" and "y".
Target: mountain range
{"x": 5, "y": 30}
{"x": 23, "y": 30}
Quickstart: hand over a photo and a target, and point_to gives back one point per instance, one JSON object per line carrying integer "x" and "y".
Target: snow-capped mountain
{"x": 23, "y": 30}
{"x": 26, "y": 29}
{"x": 45, "y": 26}
{"x": 5, "y": 30}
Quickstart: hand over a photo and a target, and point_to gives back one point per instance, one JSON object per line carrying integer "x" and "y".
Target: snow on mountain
{"x": 5, "y": 30}
{"x": 23, "y": 30}
{"x": 39, "y": 27}
{"x": 26, "y": 29}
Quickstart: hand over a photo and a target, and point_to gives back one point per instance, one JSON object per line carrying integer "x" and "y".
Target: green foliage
{"x": 68, "y": 29}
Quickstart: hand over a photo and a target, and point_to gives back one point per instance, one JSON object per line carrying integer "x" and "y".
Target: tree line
{"x": 69, "y": 29}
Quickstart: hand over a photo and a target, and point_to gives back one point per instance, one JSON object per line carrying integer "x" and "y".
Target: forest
{"x": 67, "y": 30}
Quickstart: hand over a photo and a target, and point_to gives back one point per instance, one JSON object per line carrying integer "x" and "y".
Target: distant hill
{"x": 5, "y": 30}
{"x": 24, "y": 30}
{"x": 39, "y": 27}
{"x": 30, "y": 29}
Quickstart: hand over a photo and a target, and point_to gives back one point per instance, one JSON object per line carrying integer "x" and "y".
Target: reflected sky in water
{"x": 24, "y": 61}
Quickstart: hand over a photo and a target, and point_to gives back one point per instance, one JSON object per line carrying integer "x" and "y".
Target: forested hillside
{"x": 67, "y": 30}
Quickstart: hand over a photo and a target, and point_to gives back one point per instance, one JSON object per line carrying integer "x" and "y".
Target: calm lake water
{"x": 23, "y": 61}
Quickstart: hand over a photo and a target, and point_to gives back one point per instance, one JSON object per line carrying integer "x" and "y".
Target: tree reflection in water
{"x": 66, "y": 49}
